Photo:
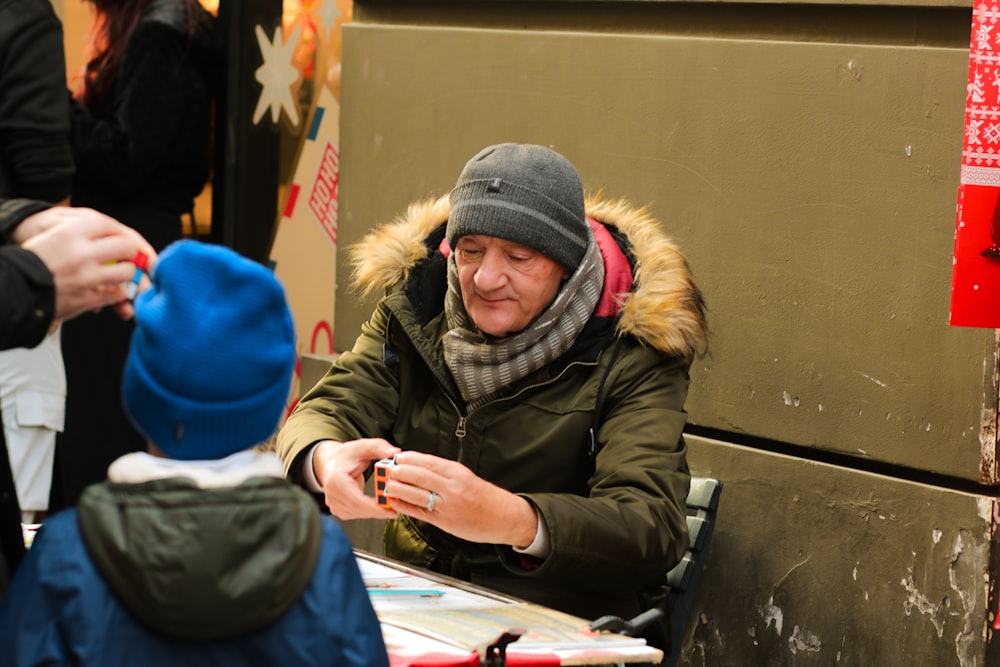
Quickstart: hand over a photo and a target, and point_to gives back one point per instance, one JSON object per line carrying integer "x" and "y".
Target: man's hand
{"x": 465, "y": 505}
{"x": 88, "y": 254}
{"x": 340, "y": 469}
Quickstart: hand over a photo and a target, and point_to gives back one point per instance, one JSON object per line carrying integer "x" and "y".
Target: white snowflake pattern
{"x": 972, "y": 131}
{"x": 991, "y": 133}
{"x": 983, "y": 37}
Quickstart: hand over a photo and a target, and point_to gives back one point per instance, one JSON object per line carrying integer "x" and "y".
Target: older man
{"x": 527, "y": 369}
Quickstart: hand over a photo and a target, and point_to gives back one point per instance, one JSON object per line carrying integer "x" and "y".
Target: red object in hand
{"x": 141, "y": 260}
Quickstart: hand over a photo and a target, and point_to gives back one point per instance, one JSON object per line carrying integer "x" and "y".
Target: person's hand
{"x": 465, "y": 505}
{"x": 37, "y": 223}
{"x": 340, "y": 469}
{"x": 88, "y": 254}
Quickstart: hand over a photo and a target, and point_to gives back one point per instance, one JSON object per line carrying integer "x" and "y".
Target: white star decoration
{"x": 276, "y": 76}
{"x": 327, "y": 13}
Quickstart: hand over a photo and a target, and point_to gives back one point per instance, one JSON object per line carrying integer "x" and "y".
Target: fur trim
{"x": 388, "y": 253}
{"x": 665, "y": 309}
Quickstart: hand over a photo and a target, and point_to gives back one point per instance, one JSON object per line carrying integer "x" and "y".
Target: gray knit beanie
{"x": 522, "y": 193}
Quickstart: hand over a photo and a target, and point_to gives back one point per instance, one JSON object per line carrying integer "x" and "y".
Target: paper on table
{"x": 419, "y": 597}
{"x": 464, "y": 619}
{"x": 472, "y": 628}
{"x": 372, "y": 570}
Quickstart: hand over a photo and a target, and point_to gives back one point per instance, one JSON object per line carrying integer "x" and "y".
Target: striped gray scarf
{"x": 482, "y": 364}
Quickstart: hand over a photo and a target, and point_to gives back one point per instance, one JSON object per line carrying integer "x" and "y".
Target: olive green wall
{"x": 813, "y": 564}
{"x": 806, "y": 157}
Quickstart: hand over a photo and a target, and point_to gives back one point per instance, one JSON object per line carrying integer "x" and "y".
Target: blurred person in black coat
{"x": 141, "y": 139}
{"x": 35, "y": 162}
{"x": 54, "y": 264}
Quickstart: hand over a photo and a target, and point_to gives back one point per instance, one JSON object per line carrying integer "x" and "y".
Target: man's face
{"x": 505, "y": 285}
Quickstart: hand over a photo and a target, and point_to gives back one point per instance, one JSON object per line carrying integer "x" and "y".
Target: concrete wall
{"x": 806, "y": 157}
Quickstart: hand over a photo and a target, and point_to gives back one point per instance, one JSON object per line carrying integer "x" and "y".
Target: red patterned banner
{"x": 975, "y": 289}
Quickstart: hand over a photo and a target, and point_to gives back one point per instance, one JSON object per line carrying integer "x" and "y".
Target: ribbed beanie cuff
{"x": 202, "y": 429}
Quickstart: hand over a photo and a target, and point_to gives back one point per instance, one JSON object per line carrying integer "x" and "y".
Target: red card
{"x": 975, "y": 289}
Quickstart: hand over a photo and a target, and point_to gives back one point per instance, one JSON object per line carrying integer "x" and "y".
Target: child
{"x": 199, "y": 553}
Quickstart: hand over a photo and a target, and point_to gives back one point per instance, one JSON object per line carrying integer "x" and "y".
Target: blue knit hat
{"x": 212, "y": 355}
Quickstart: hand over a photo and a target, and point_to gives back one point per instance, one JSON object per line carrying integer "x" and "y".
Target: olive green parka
{"x": 593, "y": 440}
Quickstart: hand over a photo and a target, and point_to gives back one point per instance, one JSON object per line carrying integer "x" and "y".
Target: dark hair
{"x": 113, "y": 25}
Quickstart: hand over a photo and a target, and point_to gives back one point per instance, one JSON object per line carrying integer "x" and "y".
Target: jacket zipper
{"x": 463, "y": 419}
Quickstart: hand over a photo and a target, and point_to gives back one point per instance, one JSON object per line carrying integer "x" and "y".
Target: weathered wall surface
{"x": 806, "y": 157}
{"x": 814, "y": 564}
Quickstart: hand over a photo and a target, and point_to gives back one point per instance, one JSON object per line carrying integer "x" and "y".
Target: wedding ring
{"x": 431, "y": 501}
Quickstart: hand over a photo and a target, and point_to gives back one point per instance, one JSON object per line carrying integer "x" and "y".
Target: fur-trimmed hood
{"x": 664, "y": 310}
